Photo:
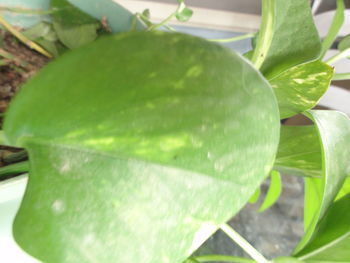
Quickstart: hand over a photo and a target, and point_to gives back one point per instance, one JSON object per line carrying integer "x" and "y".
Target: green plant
{"x": 140, "y": 140}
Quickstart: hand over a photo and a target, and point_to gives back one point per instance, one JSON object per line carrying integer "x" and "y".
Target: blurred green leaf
{"x": 331, "y": 240}
{"x": 344, "y": 43}
{"x": 41, "y": 30}
{"x": 300, "y": 88}
{"x": 287, "y": 37}
{"x": 299, "y": 151}
{"x": 336, "y": 25}
{"x": 122, "y": 153}
{"x": 184, "y": 14}
{"x": 334, "y": 131}
{"x": 74, "y": 27}
{"x": 255, "y": 197}
{"x": 274, "y": 191}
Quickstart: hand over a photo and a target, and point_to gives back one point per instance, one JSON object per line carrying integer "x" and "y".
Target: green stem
{"x": 223, "y": 258}
{"x": 266, "y": 33}
{"x": 16, "y": 168}
{"x": 166, "y": 20}
{"x": 333, "y": 31}
{"x": 239, "y": 240}
{"x": 341, "y": 76}
{"x": 344, "y": 54}
{"x": 23, "y": 38}
{"x": 233, "y": 39}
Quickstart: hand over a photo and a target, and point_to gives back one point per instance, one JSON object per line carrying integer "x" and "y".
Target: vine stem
{"x": 23, "y": 38}
{"x": 248, "y": 248}
{"x": 16, "y": 168}
{"x": 223, "y": 258}
{"x": 266, "y": 33}
{"x": 233, "y": 39}
{"x": 344, "y": 54}
{"x": 341, "y": 76}
{"x": 167, "y": 20}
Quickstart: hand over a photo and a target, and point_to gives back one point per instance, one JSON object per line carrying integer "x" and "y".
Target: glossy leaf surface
{"x": 136, "y": 146}
{"x": 331, "y": 242}
{"x": 334, "y": 131}
{"x": 287, "y": 36}
{"x": 299, "y": 88}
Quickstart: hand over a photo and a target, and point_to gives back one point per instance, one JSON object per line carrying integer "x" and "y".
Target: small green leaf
{"x": 135, "y": 158}
{"x": 274, "y": 191}
{"x": 300, "y": 88}
{"x": 255, "y": 197}
{"x": 334, "y": 132}
{"x": 41, "y": 30}
{"x": 287, "y": 37}
{"x": 74, "y": 27}
{"x": 184, "y": 14}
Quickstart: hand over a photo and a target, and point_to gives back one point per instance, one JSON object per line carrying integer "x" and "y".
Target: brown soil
{"x": 25, "y": 64}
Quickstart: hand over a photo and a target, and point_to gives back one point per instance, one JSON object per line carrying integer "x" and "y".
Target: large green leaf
{"x": 287, "y": 36}
{"x": 334, "y": 131}
{"x": 300, "y": 88}
{"x": 136, "y": 143}
{"x": 74, "y": 27}
{"x": 331, "y": 242}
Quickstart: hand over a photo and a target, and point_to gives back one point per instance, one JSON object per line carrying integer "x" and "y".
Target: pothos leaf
{"x": 300, "y": 88}
{"x": 334, "y": 131}
{"x": 274, "y": 191}
{"x": 287, "y": 36}
{"x": 135, "y": 158}
{"x": 299, "y": 151}
{"x": 331, "y": 241}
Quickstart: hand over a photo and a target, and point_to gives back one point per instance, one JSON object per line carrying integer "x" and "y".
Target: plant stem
{"x": 233, "y": 39}
{"x": 223, "y": 258}
{"x": 23, "y": 38}
{"x": 333, "y": 31}
{"x": 341, "y": 76}
{"x": 166, "y": 20}
{"x": 248, "y": 248}
{"x": 344, "y": 54}
{"x": 266, "y": 33}
{"x": 16, "y": 168}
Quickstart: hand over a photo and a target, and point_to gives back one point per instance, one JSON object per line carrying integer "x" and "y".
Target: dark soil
{"x": 25, "y": 64}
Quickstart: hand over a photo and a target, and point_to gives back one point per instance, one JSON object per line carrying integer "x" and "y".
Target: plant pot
{"x": 119, "y": 19}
